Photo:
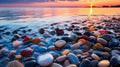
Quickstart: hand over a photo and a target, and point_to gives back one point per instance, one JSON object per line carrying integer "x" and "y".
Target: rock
{"x": 59, "y": 32}
{"x": 15, "y": 63}
{"x": 97, "y": 34}
{"x": 67, "y": 39}
{"x": 45, "y": 60}
{"x": 82, "y": 40}
{"x": 66, "y": 63}
{"x": 4, "y": 52}
{"x": 104, "y": 63}
{"x": 61, "y": 58}
{"x": 91, "y": 28}
{"x": 52, "y": 48}
{"x": 78, "y": 33}
{"x": 78, "y": 51}
{"x": 86, "y": 54}
{"x": 56, "y": 65}
{"x": 102, "y": 31}
{"x": 36, "y": 40}
{"x": 107, "y": 37}
{"x": 29, "y": 62}
{"x": 85, "y": 63}
{"x": 94, "y": 63}
{"x": 7, "y": 33}
{"x": 41, "y": 31}
{"x": 66, "y": 52}
{"x": 60, "y": 43}
{"x": 114, "y": 62}
{"x": 98, "y": 45}
{"x": 1, "y": 46}
{"x": 102, "y": 41}
{"x": 76, "y": 46}
{"x": 95, "y": 57}
{"x": 52, "y": 32}
{"x": 40, "y": 49}
{"x": 16, "y": 44}
{"x": 26, "y": 38}
{"x": 73, "y": 58}
{"x": 114, "y": 43}
{"x": 27, "y": 52}
{"x": 87, "y": 33}
{"x": 46, "y": 35}
{"x": 54, "y": 54}
{"x": 72, "y": 65}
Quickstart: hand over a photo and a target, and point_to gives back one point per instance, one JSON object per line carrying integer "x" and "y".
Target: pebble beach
{"x": 76, "y": 41}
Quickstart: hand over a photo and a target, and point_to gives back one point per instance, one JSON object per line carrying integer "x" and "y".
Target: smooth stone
{"x": 85, "y": 63}
{"x": 67, "y": 39}
{"x": 94, "y": 63}
{"x": 78, "y": 51}
{"x": 1, "y": 46}
{"x": 102, "y": 31}
{"x": 73, "y": 58}
{"x": 59, "y": 32}
{"x": 54, "y": 54}
{"x": 102, "y": 41}
{"x": 95, "y": 57}
{"x": 46, "y": 35}
{"x": 40, "y": 49}
{"x": 104, "y": 63}
{"x": 107, "y": 37}
{"x": 16, "y": 44}
{"x": 66, "y": 52}
{"x": 72, "y": 65}
{"x": 98, "y": 45}
{"x": 66, "y": 63}
{"x": 114, "y": 62}
{"x": 26, "y": 38}
{"x": 52, "y": 32}
{"x": 61, "y": 58}
{"x": 41, "y": 31}
{"x": 30, "y": 63}
{"x": 14, "y": 63}
{"x": 76, "y": 45}
{"x": 82, "y": 40}
{"x": 114, "y": 43}
{"x": 45, "y": 60}
{"x": 27, "y": 52}
{"x": 36, "y": 40}
{"x": 97, "y": 34}
{"x": 4, "y": 52}
{"x": 52, "y": 48}
{"x": 87, "y": 33}
{"x": 60, "y": 43}
{"x": 56, "y": 65}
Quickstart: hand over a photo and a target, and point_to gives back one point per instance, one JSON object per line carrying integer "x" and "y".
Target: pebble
{"x": 72, "y": 65}
{"x": 16, "y": 44}
{"x": 60, "y": 43}
{"x": 104, "y": 63}
{"x": 45, "y": 60}
{"x": 56, "y": 65}
{"x": 95, "y": 57}
{"x": 66, "y": 52}
{"x": 36, "y": 40}
{"x": 73, "y": 58}
{"x": 76, "y": 45}
{"x": 85, "y": 63}
{"x": 61, "y": 58}
{"x": 102, "y": 41}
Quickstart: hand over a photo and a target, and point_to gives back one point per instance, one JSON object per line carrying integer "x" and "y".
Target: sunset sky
{"x": 58, "y": 3}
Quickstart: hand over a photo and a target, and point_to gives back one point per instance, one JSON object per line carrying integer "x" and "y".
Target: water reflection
{"x": 22, "y": 13}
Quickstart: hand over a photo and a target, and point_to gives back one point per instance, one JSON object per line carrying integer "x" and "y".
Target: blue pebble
{"x": 73, "y": 58}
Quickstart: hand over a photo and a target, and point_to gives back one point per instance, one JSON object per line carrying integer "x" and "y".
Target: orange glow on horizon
{"x": 68, "y": 3}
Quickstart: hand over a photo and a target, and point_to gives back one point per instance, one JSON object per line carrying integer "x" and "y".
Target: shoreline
{"x": 72, "y": 41}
